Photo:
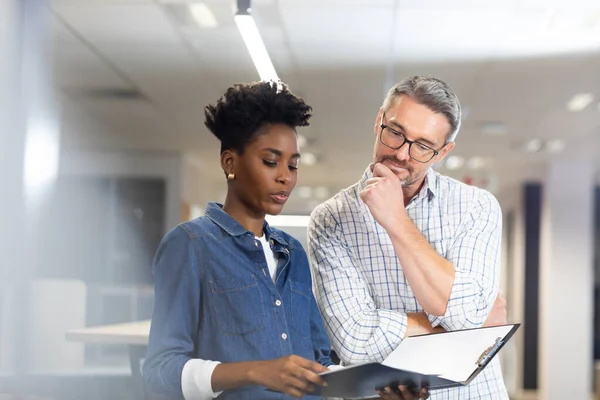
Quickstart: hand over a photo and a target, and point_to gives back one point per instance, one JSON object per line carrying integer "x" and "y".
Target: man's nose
{"x": 403, "y": 152}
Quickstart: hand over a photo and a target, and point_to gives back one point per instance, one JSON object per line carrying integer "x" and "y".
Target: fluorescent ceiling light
{"x": 304, "y": 192}
{"x": 203, "y": 15}
{"x": 476, "y": 163}
{"x": 301, "y": 140}
{"x": 580, "y": 101}
{"x": 308, "y": 159}
{"x": 555, "y": 146}
{"x": 288, "y": 220}
{"x": 494, "y": 129}
{"x": 256, "y": 47}
{"x": 534, "y": 145}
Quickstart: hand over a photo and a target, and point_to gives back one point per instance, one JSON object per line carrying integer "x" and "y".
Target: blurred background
{"x": 103, "y": 149}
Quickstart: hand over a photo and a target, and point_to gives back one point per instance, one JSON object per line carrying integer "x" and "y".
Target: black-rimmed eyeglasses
{"x": 394, "y": 140}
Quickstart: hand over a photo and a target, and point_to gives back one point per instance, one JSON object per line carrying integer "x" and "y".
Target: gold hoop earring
{"x": 231, "y": 176}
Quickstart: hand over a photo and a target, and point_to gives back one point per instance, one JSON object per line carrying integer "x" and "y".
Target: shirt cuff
{"x": 464, "y": 309}
{"x": 196, "y": 379}
{"x": 388, "y": 335}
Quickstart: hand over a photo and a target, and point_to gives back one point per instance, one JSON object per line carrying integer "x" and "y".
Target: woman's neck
{"x": 241, "y": 213}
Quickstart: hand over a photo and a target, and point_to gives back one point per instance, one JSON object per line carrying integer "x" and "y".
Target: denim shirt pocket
{"x": 301, "y": 305}
{"x": 238, "y": 306}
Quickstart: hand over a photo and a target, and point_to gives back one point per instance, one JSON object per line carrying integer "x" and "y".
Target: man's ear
{"x": 378, "y": 122}
{"x": 444, "y": 152}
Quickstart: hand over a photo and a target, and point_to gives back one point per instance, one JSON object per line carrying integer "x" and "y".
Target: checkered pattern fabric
{"x": 362, "y": 291}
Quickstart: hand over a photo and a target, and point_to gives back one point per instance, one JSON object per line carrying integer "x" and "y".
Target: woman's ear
{"x": 228, "y": 162}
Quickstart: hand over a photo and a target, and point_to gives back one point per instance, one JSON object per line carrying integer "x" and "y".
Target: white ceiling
{"x": 512, "y": 61}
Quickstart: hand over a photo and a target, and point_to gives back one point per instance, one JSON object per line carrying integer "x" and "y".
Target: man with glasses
{"x": 406, "y": 250}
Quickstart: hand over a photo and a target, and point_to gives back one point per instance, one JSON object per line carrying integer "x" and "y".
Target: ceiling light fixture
{"x": 533, "y": 145}
{"x": 305, "y": 192}
{"x": 203, "y": 15}
{"x": 580, "y": 101}
{"x": 301, "y": 140}
{"x": 555, "y": 146}
{"x": 308, "y": 159}
{"x": 254, "y": 42}
{"x": 476, "y": 163}
{"x": 454, "y": 162}
{"x": 494, "y": 128}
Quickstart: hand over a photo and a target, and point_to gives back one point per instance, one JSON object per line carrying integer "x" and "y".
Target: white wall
{"x": 567, "y": 282}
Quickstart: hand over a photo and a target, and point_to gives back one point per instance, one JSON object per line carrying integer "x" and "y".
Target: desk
{"x": 130, "y": 333}
{"x": 133, "y": 334}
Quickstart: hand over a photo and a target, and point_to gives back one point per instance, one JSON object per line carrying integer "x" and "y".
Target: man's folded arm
{"x": 475, "y": 254}
{"x": 358, "y": 330}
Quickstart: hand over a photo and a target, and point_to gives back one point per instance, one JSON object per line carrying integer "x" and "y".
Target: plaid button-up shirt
{"x": 362, "y": 291}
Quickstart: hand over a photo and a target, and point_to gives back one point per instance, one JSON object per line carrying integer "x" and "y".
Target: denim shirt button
{"x": 287, "y": 251}
{"x": 277, "y": 302}
{"x": 283, "y": 336}
{"x": 256, "y": 243}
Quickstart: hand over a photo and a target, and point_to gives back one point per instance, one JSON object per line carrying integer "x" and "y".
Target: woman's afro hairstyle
{"x": 238, "y": 117}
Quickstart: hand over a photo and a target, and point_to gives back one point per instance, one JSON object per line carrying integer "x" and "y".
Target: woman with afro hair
{"x": 234, "y": 314}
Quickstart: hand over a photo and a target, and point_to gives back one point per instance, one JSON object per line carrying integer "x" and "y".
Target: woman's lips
{"x": 279, "y": 198}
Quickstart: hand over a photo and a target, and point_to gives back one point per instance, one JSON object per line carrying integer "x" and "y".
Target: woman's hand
{"x": 293, "y": 375}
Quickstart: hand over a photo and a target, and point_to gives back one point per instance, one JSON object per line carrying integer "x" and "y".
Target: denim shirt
{"x": 215, "y": 300}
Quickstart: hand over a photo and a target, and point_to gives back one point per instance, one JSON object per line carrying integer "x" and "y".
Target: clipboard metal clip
{"x": 489, "y": 352}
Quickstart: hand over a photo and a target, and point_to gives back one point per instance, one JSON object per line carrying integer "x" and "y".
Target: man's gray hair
{"x": 432, "y": 93}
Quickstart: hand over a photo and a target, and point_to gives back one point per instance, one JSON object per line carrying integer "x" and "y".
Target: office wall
{"x": 131, "y": 164}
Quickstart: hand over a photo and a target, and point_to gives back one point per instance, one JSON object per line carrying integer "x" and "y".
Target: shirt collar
{"x": 215, "y": 212}
{"x": 432, "y": 182}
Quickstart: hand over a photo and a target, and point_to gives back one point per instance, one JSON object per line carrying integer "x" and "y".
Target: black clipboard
{"x": 362, "y": 380}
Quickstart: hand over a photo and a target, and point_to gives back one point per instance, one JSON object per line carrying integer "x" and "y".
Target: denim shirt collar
{"x": 215, "y": 212}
